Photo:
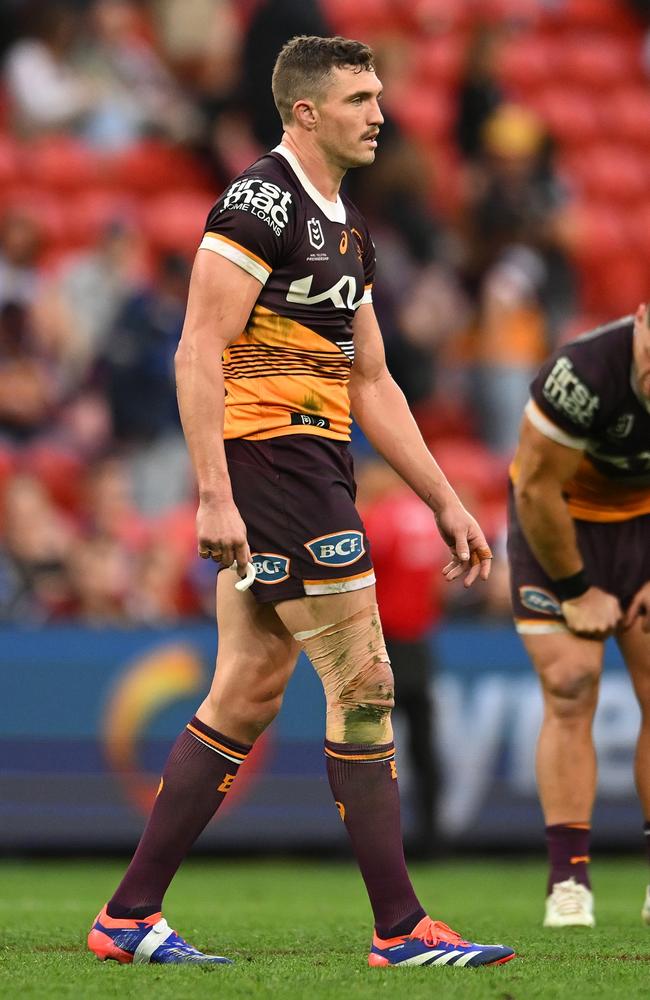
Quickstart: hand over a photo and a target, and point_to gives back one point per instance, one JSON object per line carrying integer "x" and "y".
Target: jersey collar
{"x": 332, "y": 210}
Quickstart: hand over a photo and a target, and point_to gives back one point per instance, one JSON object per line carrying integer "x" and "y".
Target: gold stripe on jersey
{"x": 591, "y": 496}
{"x": 277, "y": 368}
{"x": 239, "y": 255}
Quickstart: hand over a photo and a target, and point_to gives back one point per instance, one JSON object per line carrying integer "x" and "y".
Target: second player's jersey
{"x": 585, "y": 396}
{"x": 288, "y": 371}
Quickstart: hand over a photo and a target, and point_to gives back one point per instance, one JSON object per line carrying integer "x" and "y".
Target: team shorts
{"x": 296, "y": 496}
{"x": 615, "y": 556}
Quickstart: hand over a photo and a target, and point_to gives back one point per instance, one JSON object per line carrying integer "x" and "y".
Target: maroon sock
{"x": 646, "y": 838}
{"x": 199, "y": 772}
{"x": 363, "y": 780}
{"x": 568, "y": 853}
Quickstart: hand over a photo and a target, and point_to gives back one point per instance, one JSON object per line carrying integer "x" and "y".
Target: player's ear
{"x": 305, "y": 114}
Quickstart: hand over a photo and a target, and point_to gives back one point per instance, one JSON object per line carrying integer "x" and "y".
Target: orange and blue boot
{"x": 140, "y": 941}
{"x": 433, "y": 943}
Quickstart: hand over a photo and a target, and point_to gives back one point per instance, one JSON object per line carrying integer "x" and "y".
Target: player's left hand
{"x": 639, "y": 608}
{"x": 471, "y": 554}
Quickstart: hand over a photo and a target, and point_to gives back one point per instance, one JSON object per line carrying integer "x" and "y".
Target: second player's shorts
{"x": 296, "y": 495}
{"x": 615, "y": 557}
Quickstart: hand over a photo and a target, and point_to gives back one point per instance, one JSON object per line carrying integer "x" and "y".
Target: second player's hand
{"x": 470, "y": 551}
{"x": 594, "y": 615}
{"x": 221, "y": 534}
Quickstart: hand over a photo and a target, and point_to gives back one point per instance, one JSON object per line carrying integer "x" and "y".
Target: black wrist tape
{"x": 570, "y": 587}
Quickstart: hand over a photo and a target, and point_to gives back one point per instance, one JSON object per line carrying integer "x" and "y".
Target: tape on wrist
{"x": 569, "y": 587}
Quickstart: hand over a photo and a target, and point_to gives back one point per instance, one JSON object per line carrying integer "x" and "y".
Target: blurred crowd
{"x": 120, "y": 123}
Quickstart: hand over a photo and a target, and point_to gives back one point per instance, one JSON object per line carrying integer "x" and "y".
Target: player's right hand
{"x": 221, "y": 534}
{"x": 594, "y": 615}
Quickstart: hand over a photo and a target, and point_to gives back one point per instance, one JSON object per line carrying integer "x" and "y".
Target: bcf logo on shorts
{"x": 270, "y": 567}
{"x": 339, "y": 549}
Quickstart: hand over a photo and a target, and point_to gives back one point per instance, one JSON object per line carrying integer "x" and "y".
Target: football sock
{"x": 646, "y": 837}
{"x": 198, "y": 774}
{"x": 363, "y": 780}
{"x": 568, "y": 853}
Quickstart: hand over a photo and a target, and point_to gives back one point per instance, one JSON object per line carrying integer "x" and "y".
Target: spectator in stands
{"x": 479, "y": 93}
{"x": 20, "y": 244}
{"x": 45, "y": 89}
{"x": 37, "y": 540}
{"x": 407, "y": 554}
{"x": 100, "y": 576}
{"x": 29, "y": 388}
{"x": 108, "y": 510}
{"x": 519, "y": 229}
{"x": 137, "y": 94}
{"x": 138, "y": 373}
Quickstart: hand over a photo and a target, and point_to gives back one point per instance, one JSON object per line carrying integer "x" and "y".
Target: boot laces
{"x": 569, "y": 897}
{"x": 433, "y": 932}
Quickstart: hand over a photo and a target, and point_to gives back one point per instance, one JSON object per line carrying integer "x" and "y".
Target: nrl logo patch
{"x": 537, "y": 599}
{"x": 315, "y": 233}
{"x": 270, "y": 567}
{"x": 339, "y": 549}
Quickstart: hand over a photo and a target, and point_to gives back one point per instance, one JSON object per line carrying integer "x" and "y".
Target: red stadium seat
{"x": 626, "y": 115}
{"x": 46, "y": 208}
{"x": 527, "y": 63}
{"x": 620, "y": 285}
{"x": 59, "y": 470}
{"x": 605, "y": 15}
{"x": 61, "y": 163}
{"x": 439, "y": 60}
{"x": 151, "y": 167}
{"x": 596, "y": 61}
{"x": 615, "y": 173}
{"x": 424, "y": 111}
{"x": 174, "y": 221}
{"x": 10, "y": 160}
{"x": 90, "y": 212}
{"x": 602, "y": 234}
{"x": 570, "y": 115}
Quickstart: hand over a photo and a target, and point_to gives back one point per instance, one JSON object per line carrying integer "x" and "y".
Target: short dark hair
{"x": 305, "y": 62}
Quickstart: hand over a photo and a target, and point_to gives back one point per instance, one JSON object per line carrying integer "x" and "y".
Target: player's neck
{"x": 325, "y": 176}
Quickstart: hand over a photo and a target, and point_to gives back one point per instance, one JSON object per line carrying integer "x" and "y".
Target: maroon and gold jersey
{"x": 288, "y": 371}
{"x": 585, "y": 396}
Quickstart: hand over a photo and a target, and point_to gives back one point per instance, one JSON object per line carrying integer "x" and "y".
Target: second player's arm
{"x": 220, "y": 301}
{"x": 543, "y": 468}
{"x": 379, "y": 407}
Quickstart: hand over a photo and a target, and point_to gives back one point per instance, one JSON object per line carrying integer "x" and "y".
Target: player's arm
{"x": 380, "y": 408}
{"x": 543, "y": 467}
{"x": 221, "y": 297}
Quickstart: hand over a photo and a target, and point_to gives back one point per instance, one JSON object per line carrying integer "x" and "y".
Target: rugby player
{"x": 578, "y": 547}
{"x": 282, "y": 291}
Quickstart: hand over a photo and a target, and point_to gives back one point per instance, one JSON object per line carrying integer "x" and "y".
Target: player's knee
{"x": 570, "y": 690}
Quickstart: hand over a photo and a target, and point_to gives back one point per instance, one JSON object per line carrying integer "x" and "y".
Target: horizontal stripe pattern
{"x": 234, "y": 756}
{"x": 361, "y": 757}
{"x": 238, "y": 255}
{"x": 263, "y": 361}
{"x": 314, "y": 588}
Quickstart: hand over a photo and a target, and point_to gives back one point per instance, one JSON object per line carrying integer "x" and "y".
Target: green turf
{"x": 300, "y": 931}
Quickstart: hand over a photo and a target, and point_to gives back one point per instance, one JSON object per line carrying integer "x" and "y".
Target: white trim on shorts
{"x": 528, "y": 626}
{"x": 314, "y": 588}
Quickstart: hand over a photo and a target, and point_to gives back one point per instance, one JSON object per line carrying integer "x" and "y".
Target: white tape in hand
{"x": 248, "y": 580}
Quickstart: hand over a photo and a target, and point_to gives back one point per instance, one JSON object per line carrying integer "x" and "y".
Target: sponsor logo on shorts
{"x": 315, "y": 233}
{"x": 260, "y": 198}
{"x": 270, "y": 567}
{"x": 339, "y": 549}
{"x": 537, "y": 599}
{"x": 568, "y": 394}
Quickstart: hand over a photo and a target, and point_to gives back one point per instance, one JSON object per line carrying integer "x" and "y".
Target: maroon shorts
{"x": 615, "y": 556}
{"x": 296, "y": 495}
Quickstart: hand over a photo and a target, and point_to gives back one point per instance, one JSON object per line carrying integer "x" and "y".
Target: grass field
{"x": 301, "y": 931}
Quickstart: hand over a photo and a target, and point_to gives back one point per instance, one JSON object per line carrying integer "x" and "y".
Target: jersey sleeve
{"x": 251, "y": 224}
{"x": 369, "y": 265}
{"x": 564, "y": 401}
